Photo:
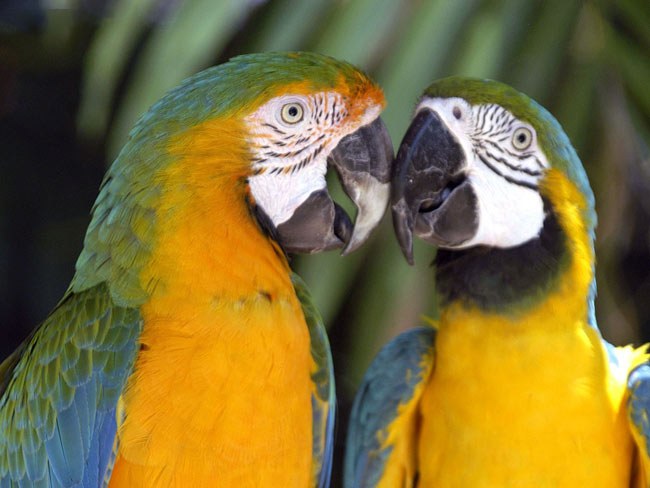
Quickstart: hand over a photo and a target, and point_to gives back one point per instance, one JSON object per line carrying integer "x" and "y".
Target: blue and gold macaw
{"x": 185, "y": 352}
{"x": 514, "y": 386}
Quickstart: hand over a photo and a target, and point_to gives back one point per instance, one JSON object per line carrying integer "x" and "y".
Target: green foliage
{"x": 586, "y": 61}
{"x": 564, "y": 54}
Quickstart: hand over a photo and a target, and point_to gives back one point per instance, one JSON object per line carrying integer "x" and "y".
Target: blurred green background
{"x": 75, "y": 75}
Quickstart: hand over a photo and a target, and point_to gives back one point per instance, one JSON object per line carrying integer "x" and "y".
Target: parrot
{"x": 513, "y": 384}
{"x": 185, "y": 352}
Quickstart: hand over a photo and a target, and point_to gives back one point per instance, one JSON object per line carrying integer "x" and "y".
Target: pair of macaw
{"x": 186, "y": 353}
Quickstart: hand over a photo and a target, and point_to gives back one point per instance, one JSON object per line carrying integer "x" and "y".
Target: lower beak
{"x": 362, "y": 161}
{"x": 430, "y": 193}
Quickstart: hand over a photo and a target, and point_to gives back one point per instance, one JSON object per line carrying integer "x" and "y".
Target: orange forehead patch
{"x": 362, "y": 95}
{"x": 359, "y": 93}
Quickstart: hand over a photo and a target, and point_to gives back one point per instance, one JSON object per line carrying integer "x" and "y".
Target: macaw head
{"x": 296, "y": 115}
{"x": 248, "y": 140}
{"x": 311, "y": 112}
{"x": 483, "y": 165}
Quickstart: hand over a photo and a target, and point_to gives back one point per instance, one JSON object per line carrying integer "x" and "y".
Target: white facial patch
{"x": 508, "y": 214}
{"x": 290, "y": 157}
{"x": 504, "y": 165}
{"x": 280, "y": 194}
{"x": 291, "y": 139}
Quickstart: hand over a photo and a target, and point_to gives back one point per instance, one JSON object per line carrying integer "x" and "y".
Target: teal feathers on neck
{"x": 120, "y": 236}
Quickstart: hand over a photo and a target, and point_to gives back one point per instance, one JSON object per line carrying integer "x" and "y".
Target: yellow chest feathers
{"x": 531, "y": 399}
{"x": 512, "y": 404}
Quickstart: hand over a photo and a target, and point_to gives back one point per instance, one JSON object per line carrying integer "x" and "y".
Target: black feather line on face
{"x": 506, "y": 163}
{"x": 481, "y": 120}
{"x": 290, "y": 154}
{"x": 509, "y": 179}
{"x": 274, "y": 128}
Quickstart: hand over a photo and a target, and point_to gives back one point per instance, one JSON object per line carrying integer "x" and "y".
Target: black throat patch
{"x": 512, "y": 279}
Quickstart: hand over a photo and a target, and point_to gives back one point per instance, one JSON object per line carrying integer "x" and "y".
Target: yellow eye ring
{"x": 292, "y": 113}
{"x": 522, "y": 138}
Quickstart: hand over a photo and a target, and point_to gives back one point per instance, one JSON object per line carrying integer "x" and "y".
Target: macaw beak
{"x": 431, "y": 195}
{"x": 362, "y": 161}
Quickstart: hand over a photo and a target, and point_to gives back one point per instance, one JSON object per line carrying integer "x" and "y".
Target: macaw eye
{"x": 292, "y": 113}
{"x": 457, "y": 113}
{"x": 522, "y": 138}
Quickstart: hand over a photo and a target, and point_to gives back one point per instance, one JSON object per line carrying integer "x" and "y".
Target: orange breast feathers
{"x": 221, "y": 391}
{"x": 221, "y": 399}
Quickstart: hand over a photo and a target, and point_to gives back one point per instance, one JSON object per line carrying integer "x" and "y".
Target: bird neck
{"x": 211, "y": 244}
{"x": 516, "y": 282}
{"x": 208, "y": 239}
{"x": 173, "y": 214}
{"x": 221, "y": 321}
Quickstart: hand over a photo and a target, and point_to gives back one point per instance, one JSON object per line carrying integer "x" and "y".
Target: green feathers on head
{"x": 120, "y": 237}
{"x": 552, "y": 138}
{"x": 235, "y": 85}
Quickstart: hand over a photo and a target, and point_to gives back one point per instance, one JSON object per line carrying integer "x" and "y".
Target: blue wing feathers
{"x": 57, "y": 459}
{"x": 390, "y": 381}
{"x": 639, "y": 401}
{"x": 83, "y": 414}
{"x": 100, "y": 457}
{"x": 57, "y": 413}
{"x": 328, "y": 454}
{"x": 35, "y": 469}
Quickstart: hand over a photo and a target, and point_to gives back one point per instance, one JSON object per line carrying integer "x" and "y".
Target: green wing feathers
{"x": 324, "y": 401}
{"x": 61, "y": 387}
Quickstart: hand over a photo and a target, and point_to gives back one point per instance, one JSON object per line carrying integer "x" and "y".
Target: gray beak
{"x": 431, "y": 197}
{"x": 363, "y": 162}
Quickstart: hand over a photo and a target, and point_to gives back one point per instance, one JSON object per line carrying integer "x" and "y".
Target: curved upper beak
{"x": 363, "y": 162}
{"x": 430, "y": 194}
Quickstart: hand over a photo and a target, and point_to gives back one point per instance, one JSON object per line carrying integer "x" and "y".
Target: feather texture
{"x": 324, "y": 395}
{"x": 385, "y": 412}
{"x": 57, "y": 413}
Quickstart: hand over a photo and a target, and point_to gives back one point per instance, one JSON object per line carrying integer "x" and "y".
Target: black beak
{"x": 362, "y": 161}
{"x": 430, "y": 194}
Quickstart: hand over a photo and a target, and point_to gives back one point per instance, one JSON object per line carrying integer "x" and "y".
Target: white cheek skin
{"x": 280, "y": 194}
{"x": 509, "y": 215}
